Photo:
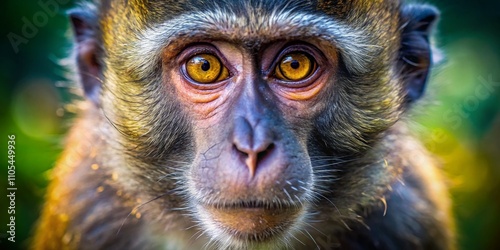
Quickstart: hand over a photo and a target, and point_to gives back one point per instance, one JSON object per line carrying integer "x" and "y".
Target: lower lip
{"x": 251, "y": 223}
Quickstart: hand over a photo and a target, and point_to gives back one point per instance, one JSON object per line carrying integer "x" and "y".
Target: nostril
{"x": 241, "y": 151}
{"x": 264, "y": 153}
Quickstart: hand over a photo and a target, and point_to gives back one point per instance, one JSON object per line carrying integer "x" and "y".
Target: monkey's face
{"x": 251, "y": 177}
{"x": 246, "y": 113}
{"x": 253, "y": 113}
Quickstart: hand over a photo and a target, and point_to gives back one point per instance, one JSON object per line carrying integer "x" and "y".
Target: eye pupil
{"x": 205, "y": 66}
{"x": 295, "y": 64}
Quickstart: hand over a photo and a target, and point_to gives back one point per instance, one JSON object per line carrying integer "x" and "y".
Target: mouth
{"x": 253, "y": 221}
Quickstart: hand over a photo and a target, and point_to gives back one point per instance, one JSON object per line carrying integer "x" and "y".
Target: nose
{"x": 254, "y": 142}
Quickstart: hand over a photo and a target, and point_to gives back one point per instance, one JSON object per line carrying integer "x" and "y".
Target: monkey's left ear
{"x": 84, "y": 25}
{"x": 416, "y": 59}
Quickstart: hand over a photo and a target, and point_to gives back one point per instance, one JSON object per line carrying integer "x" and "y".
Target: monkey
{"x": 256, "y": 124}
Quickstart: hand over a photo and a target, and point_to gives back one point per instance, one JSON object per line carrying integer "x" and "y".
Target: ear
{"x": 415, "y": 57}
{"x": 84, "y": 24}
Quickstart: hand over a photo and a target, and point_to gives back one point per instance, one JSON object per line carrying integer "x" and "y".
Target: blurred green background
{"x": 459, "y": 120}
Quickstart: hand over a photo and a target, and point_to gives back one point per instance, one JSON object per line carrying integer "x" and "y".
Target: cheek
{"x": 299, "y": 106}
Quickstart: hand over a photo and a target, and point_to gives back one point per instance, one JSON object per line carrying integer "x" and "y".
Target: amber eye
{"x": 295, "y": 66}
{"x": 206, "y": 68}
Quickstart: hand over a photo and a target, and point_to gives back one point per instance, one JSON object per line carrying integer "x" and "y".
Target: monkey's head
{"x": 247, "y": 115}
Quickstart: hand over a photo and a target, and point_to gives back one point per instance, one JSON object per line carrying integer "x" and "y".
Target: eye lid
{"x": 197, "y": 49}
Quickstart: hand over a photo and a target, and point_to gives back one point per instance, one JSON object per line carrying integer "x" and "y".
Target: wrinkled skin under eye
{"x": 295, "y": 66}
{"x": 206, "y": 68}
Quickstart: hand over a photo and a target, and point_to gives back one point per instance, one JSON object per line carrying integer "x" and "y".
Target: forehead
{"x": 244, "y": 16}
{"x": 152, "y": 11}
